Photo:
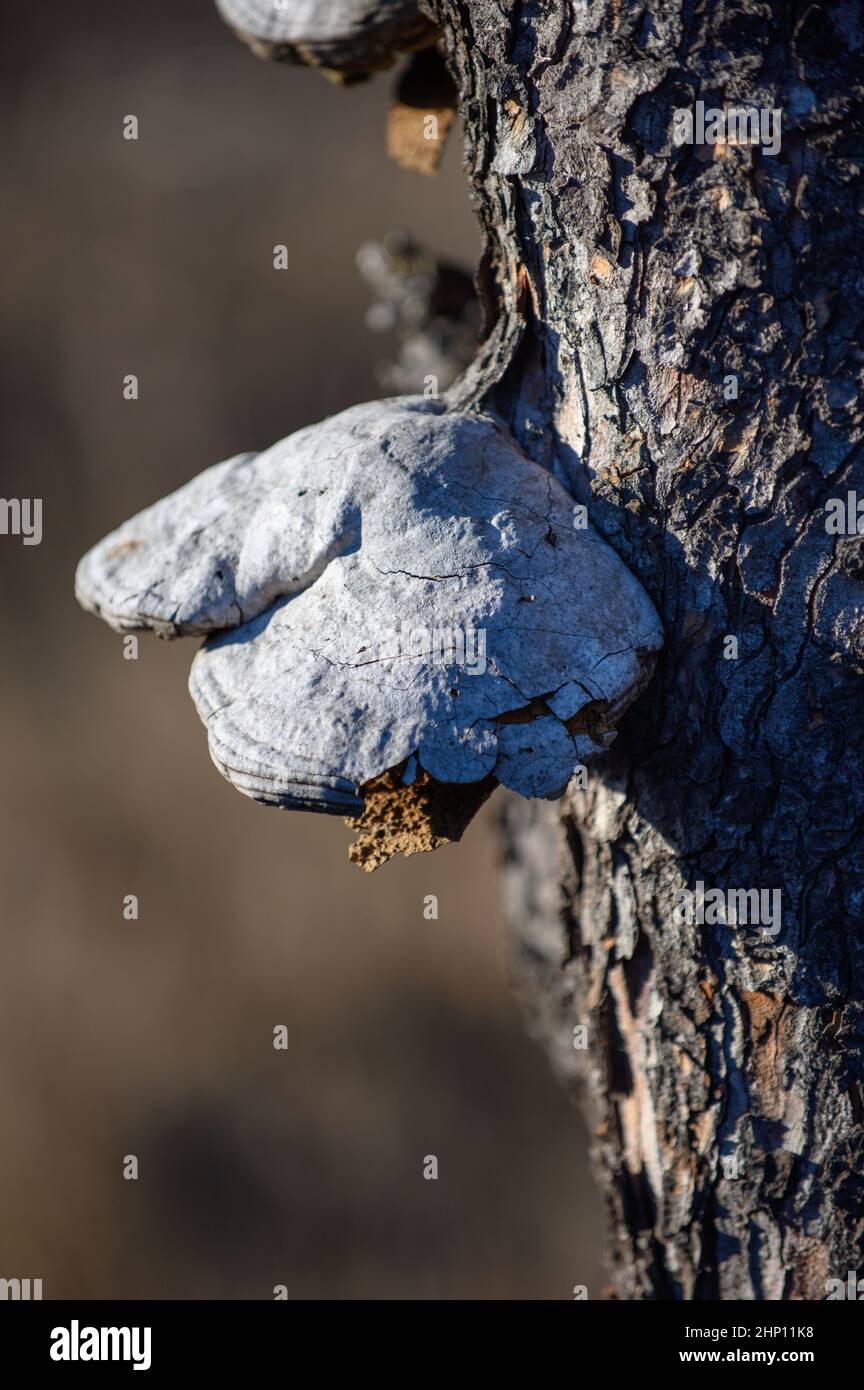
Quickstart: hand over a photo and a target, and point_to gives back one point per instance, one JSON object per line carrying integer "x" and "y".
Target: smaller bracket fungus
{"x": 348, "y": 39}
{"x": 400, "y": 613}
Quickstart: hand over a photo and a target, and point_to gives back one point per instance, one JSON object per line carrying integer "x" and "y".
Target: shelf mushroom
{"x": 347, "y": 38}
{"x": 401, "y": 611}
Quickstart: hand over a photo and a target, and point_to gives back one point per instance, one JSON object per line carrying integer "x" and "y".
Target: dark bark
{"x": 625, "y": 279}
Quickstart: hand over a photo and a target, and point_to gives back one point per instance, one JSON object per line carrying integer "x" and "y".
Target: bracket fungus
{"x": 401, "y": 611}
{"x": 346, "y": 38}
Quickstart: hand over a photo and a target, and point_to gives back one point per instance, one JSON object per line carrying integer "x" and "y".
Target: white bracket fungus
{"x": 348, "y": 37}
{"x": 400, "y": 612}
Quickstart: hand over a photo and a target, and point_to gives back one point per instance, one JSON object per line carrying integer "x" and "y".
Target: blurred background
{"x": 154, "y": 1037}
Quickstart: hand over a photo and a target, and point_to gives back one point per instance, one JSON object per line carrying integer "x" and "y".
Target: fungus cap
{"x": 346, "y": 35}
{"x": 398, "y": 587}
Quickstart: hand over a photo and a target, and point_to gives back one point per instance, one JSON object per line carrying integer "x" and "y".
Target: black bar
{"x": 228, "y": 1338}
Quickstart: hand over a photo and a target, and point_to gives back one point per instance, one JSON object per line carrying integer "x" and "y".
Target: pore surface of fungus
{"x": 398, "y": 590}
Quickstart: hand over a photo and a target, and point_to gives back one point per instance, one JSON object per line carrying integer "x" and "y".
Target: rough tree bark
{"x": 627, "y": 281}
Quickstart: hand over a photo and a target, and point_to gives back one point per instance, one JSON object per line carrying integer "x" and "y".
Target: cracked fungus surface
{"x": 398, "y": 587}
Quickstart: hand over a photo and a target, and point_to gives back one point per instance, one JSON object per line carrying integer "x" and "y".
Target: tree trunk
{"x": 674, "y": 330}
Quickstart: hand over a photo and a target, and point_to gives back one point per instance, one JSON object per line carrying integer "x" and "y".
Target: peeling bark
{"x": 631, "y": 287}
